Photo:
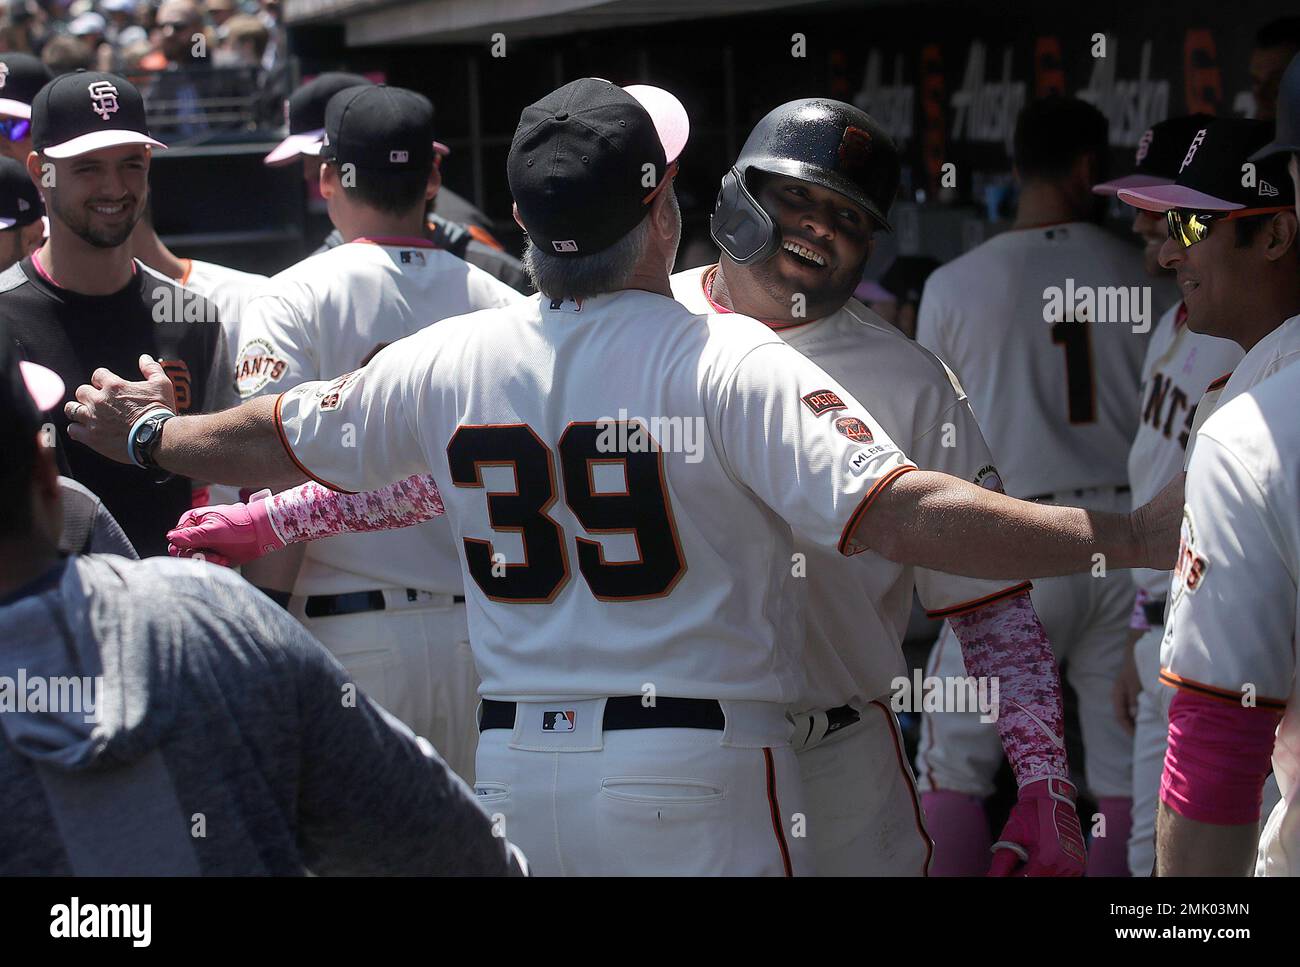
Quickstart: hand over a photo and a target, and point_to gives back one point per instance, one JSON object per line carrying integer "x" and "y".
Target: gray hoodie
{"x": 212, "y": 735}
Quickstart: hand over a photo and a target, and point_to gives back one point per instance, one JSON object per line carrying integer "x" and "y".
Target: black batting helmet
{"x": 816, "y": 139}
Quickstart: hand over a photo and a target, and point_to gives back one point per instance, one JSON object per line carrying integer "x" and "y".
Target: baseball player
{"x": 1055, "y": 399}
{"x": 21, "y": 76}
{"x": 1241, "y": 282}
{"x": 21, "y": 226}
{"x": 390, "y": 607}
{"x": 1179, "y": 364}
{"x": 1286, "y": 142}
{"x": 1235, "y": 704}
{"x": 622, "y": 477}
{"x": 459, "y": 228}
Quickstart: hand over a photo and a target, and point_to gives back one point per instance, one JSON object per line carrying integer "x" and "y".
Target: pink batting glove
{"x": 1043, "y": 836}
{"x": 229, "y": 534}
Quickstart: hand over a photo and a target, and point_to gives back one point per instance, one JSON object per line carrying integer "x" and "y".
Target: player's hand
{"x": 1124, "y": 693}
{"x": 1043, "y": 836}
{"x": 105, "y": 409}
{"x": 229, "y": 534}
{"x": 1156, "y": 526}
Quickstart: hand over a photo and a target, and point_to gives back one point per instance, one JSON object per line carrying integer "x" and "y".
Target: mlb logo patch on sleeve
{"x": 823, "y": 401}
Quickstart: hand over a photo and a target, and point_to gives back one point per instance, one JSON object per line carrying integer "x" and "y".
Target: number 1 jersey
{"x": 621, "y": 477}
{"x": 1057, "y": 400}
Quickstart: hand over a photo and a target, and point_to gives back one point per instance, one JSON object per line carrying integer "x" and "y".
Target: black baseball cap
{"x": 1210, "y": 176}
{"x": 21, "y": 76}
{"x": 88, "y": 111}
{"x": 305, "y": 115}
{"x": 1287, "y": 138}
{"x": 380, "y": 128}
{"x": 1160, "y": 151}
{"x": 20, "y": 202}
{"x": 577, "y": 162}
{"x": 27, "y": 391}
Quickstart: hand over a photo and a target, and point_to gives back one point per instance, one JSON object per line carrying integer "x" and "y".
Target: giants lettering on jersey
{"x": 256, "y": 366}
{"x": 1161, "y": 390}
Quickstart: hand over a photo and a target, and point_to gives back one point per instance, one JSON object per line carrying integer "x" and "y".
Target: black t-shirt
{"x": 74, "y": 334}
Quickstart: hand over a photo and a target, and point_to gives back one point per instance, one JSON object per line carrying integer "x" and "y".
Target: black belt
{"x": 1155, "y": 612}
{"x": 1077, "y": 493}
{"x": 279, "y": 597}
{"x": 355, "y": 602}
{"x": 626, "y": 712}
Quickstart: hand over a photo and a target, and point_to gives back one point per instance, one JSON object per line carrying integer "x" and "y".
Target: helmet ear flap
{"x": 740, "y": 225}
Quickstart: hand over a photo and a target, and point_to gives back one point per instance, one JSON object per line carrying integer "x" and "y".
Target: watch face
{"x": 147, "y": 433}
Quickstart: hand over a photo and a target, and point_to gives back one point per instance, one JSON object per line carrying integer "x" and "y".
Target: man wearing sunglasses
{"x": 1179, "y": 364}
{"x": 21, "y": 76}
{"x": 1233, "y": 246}
{"x": 1240, "y": 539}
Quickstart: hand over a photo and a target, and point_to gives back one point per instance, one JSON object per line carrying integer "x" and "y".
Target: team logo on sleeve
{"x": 256, "y": 366}
{"x": 1191, "y": 565}
{"x": 331, "y": 398}
{"x": 823, "y": 401}
{"x": 987, "y": 477}
{"x": 854, "y": 429}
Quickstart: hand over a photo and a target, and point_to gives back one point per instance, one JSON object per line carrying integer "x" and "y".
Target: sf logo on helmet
{"x": 103, "y": 98}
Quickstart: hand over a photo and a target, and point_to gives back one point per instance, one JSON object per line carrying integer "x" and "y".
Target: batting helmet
{"x": 826, "y": 142}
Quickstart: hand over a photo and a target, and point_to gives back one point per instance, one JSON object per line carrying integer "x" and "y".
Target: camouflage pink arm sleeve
{"x": 1005, "y": 642}
{"x": 310, "y": 512}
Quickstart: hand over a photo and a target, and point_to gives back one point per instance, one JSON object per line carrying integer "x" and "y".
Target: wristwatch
{"x": 145, "y": 437}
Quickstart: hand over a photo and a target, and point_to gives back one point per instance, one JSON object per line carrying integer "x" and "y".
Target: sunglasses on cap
{"x": 1190, "y": 227}
{"x": 15, "y": 129}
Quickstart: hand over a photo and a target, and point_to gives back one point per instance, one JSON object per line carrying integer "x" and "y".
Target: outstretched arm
{"x": 239, "y": 533}
{"x": 932, "y": 520}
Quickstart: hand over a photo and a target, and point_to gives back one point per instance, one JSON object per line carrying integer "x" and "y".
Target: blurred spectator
{"x": 243, "y": 44}
{"x": 121, "y": 16}
{"x": 132, "y": 53}
{"x": 220, "y": 11}
{"x": 64, "y": 54}
{"x": 1275, "y": 44}
{"x": 90, "y": 29}
{"x": 179, "y": 26}
{"x": 21, "y": 76}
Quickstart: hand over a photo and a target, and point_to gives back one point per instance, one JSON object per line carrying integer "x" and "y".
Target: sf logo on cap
{"x": 103, "y": 98}
{"x": 1191, "y": 149}
{"x": 4, "y": 75}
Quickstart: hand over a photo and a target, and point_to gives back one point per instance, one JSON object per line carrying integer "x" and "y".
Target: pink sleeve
{"x": 1218, "y": 758}
{"x": 310, "y": 512}
{"x": 1004, "y": 641}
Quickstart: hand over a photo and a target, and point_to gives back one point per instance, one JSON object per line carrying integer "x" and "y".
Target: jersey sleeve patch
{"x": 823, "y": 401}
{"x": 257, "y": 366}
{"x": 855, "y": 429}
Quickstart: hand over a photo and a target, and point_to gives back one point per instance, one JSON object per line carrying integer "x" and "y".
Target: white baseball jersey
{"x": 326, "y": 316}
{"x": 1279, "y": 349}
{"x": 1234, "y": 616}
{"x": 228, "y": 289}
{"x": 858, "y": 608}
{"x": 1179, "y": 365}
{"x": 622, "y": 476}
{"x": 1055, "y": 399}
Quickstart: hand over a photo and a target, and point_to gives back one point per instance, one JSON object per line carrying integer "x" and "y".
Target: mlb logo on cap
{"x": 567, "y": 245}
{"x": 399, "y": 157}
{"x": 559, "y": 721}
